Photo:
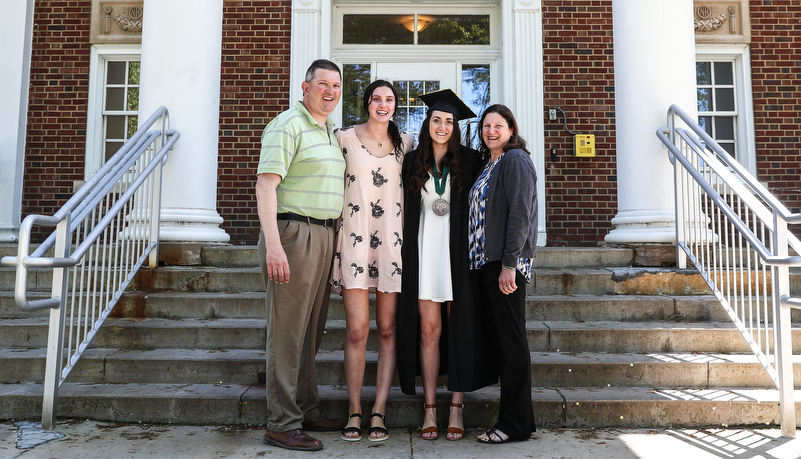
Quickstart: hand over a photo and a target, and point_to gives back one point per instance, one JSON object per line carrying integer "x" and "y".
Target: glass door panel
{"x": 411, "y": 80}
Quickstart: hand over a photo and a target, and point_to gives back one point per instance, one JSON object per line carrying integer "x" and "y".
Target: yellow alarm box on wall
{"x": 584, "y": 145}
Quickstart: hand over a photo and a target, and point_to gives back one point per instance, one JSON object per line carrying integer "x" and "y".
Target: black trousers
{"x": 507, "y": 316}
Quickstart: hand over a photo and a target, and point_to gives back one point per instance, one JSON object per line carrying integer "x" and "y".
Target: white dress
{"x": 434, "y": 246}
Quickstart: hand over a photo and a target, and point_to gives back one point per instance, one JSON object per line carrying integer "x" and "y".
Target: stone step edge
{"x": 244, "y": 404}
{"x": 537, "y": 357}
{"x": 588, "y": 369}
{"x": 556, "y": 325}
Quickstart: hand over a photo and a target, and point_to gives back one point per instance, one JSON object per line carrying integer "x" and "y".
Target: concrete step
{"x": 247, "y": 366}
{"x": 31, "y": 333}
{"x": 567, "y": 281}
{"x": 640, "y": 281}
{"x": 223, "y": 305}
{"x": 250, "y": 305}
{"x": 543, "y": 336}
{"x": 220, "y": 404}
{"x": 547, "y": 257}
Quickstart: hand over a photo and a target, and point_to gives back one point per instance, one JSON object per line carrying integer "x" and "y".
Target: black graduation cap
{"x": 447, "y": 101}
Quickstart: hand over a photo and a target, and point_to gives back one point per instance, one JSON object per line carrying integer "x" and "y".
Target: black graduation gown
{"x": 465, "y": 354}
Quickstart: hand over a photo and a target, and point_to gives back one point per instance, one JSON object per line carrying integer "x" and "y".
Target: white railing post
{"x": 782, "y": 337}
{"x": 55, "y": 335}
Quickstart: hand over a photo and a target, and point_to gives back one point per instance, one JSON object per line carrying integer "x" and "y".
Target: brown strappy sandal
{"x": 456, "y": 430}
{"x": 430, "y": 429}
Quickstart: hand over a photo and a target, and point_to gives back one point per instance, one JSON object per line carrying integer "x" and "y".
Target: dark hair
{"x": 515, "y": 141}
{"x": 424, "y": 160}
{"x": 393, "y": 130}
{"x": 324, "y": 64}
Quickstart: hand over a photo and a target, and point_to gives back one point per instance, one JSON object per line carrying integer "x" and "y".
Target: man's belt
{"x": 328, "y": 222}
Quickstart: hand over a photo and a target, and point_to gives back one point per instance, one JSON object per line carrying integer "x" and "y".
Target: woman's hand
{"x": 506, "y": 281}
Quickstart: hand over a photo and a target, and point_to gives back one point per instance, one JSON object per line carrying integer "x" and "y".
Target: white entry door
{"x": 411, "y": 80}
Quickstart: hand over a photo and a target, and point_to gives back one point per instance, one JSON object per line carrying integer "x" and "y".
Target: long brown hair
{"x": 424, "y": 160}
{"x": 392, "y": 130}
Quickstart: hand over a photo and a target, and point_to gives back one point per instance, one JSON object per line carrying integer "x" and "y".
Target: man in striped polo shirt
{"x": 299, "y": 193}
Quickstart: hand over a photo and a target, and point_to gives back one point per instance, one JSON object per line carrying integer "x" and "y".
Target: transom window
{"x": 415, "y": 29}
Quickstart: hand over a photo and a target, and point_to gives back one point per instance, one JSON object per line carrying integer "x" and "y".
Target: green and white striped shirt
{"x": 307, "y": 157}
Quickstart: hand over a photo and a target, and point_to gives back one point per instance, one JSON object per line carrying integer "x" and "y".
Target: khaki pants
{"x": 296, "y": 314}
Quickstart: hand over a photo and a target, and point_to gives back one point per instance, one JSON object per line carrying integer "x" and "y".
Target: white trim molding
{"x": 523, "y": 83}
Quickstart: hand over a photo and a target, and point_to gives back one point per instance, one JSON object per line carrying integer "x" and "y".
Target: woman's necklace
{"x": 440, "y": 205}
{"x": 379, "y": 142}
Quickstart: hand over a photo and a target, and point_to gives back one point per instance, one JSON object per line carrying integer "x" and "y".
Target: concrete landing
{"x": 83, "y": 439}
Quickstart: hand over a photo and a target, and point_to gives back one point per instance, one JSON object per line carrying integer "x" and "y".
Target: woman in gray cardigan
{"x": 502, "y": 243}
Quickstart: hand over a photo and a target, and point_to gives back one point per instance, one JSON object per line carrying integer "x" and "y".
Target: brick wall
{"x": 254, "y": 88}
{"x": 55, "y": 142}
{"x": 581, "y": 193}
{"x": 775, "y": 65}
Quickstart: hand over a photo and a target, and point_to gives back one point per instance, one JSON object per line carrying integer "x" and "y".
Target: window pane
{"x": 703, "y": 73}
{"x": 133, "y": 125}
{"x": 724, "y": 128}
{"x": 376, "y": 29}
{"x": 133, "y": 100}
{"x": 730, "y": 148}
{"x": 111, "y": 148}
{"x": 454, "y": 30}
{"x": 411, "y": 110}
{"x": 116, "y": 73}
{"x": 704, "y": 99}
{"x": 115, "y": 98}
{"x": 133, "y": 73}
{"x": 723, "y": 73}
{"x": 416, "y": 117}
{"x": 724, "y": 99}
{"x": 476, "y": 94}
{"x": 476, "y": 86}
{"x": 355, "y": 78}
{"x": 705, "y": 122}
{"x": 115, "y": 127}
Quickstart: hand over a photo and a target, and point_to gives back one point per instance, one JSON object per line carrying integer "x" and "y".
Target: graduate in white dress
{"x": 436, "y": 313}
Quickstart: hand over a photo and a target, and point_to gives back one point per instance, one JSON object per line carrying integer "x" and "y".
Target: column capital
{"x": 527, "y": 5}
{"x": 305, "y": 4}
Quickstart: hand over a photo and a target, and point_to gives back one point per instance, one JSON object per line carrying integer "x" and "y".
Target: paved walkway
{"x": 91, "y": 439}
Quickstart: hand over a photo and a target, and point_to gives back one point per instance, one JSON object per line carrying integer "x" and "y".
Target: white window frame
{"x": 740, "y": 56}
{"x": 100, "y": 54}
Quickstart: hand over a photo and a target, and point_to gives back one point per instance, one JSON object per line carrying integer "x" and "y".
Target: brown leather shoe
{"x": 321, "y": 424}
{"x": 296, "y": 440}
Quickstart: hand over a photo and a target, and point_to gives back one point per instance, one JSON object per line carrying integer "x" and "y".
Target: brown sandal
{"x": 455, "y": 430}
{"x": 430, "y": 429}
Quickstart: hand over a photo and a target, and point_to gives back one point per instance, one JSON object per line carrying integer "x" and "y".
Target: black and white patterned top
{"x": 368, "y": 247}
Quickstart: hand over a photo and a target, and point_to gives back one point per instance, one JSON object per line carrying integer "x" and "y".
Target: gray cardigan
{"x": 510, "y": 230}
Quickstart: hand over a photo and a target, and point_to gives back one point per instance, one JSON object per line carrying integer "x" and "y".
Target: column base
{"x": 9, "y": 233}
{"x": 191, "y": 225}
{"x": 643, "y": 227}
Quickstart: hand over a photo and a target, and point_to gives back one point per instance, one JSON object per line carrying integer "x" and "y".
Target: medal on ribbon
{"x": 440, "y": 206}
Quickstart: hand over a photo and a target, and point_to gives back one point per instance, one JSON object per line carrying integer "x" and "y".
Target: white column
{"x": 523, "y": 84}
{"x": 181, "y": 52}
{"x": 654, "y": 46}
{"x": 311, "y": 20}
{"x": 16, "y": 32}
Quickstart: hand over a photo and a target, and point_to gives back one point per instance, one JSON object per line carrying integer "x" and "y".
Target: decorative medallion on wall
{"x": 117, "y": 21}
{"x": 722, "y": 21}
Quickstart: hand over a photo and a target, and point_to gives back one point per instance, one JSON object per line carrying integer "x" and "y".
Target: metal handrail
{"x": 735, "y": 232}
{"x": 113, "y": 223}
